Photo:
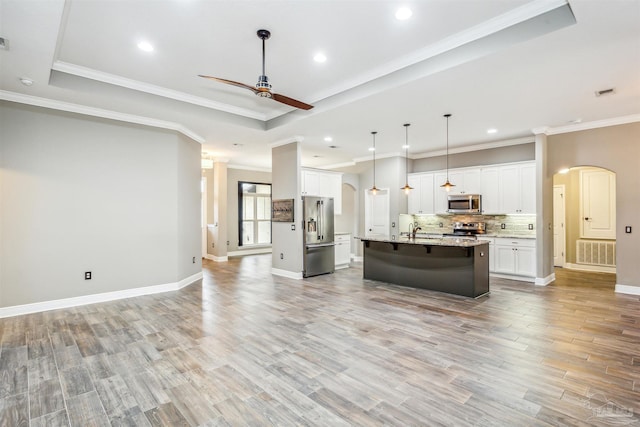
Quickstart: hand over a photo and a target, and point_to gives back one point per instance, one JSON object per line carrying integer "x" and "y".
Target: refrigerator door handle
{"x": 320, "y": 245}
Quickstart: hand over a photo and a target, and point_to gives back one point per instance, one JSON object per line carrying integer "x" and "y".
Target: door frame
{"x": 562, "y": 209}
{"x": 203, "y": 213}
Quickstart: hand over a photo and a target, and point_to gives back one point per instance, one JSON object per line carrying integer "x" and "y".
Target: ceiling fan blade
{"x": 230, "y": 82}
{"x": 290, "y": 101}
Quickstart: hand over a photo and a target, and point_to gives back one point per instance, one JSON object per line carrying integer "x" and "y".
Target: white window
{"x": 254, "y": 222}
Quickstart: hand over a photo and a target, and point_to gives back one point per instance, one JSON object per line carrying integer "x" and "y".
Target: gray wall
{"x": 492, "y": 156}
{"x": 86, "y": 194}
{"x": 615, "y": 148}
{"x": 286, "y": 174}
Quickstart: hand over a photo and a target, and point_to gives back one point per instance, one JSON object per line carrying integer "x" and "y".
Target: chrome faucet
{"x": 415, "y": 230}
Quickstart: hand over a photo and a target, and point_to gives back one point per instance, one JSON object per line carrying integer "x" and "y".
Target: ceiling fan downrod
{"x": 263, "y": 85}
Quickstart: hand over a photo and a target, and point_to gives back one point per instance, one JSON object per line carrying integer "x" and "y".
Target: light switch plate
{"x": 627, "y": 229}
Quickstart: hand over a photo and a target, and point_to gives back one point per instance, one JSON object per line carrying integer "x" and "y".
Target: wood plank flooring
{"x": 247, "y": 348}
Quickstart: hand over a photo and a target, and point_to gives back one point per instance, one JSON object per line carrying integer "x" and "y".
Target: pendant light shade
{"x": 374, "y": 189}
{"x": 407, "y": 188}
{"x": 447, "y": 185}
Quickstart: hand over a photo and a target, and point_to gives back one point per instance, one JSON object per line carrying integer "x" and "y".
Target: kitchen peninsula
{"x": 451, "y": 265}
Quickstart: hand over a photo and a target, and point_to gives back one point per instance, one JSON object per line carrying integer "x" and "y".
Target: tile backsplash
{"x": 514, "y": 225}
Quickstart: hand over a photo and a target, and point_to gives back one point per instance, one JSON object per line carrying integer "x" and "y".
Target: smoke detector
{"x": 603, "y": 92}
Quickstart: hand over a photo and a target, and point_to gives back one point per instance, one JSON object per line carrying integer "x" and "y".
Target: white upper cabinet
{"x": 505, "y": 189}
{"x": 420, "y": 199}
{"x": 517, "y": 188}
{"x": 490, "y": 191}
{"x": 323, "y": 184}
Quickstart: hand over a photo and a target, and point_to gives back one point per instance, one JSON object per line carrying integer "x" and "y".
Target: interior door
{"x": 559, "y": 237}
{"x": 376, "y": 214}
{"x": 598, "y": 203}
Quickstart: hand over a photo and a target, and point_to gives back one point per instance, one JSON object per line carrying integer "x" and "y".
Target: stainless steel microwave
{"x": 464, "y": 203}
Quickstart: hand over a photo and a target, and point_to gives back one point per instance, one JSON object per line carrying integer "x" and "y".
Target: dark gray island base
{"x": 453, "y": 266}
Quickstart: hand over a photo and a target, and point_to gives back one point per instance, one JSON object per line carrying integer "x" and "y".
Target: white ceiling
{"x": 513, "y": 65}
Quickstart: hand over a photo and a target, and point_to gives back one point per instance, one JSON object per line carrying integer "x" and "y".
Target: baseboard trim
{"x": 286, "y": 273}
{"x": 544, "y": 281}
{"x": 38, "y": 307}
{"x": 511, "y": 277}
{"x": 357, "y": 259}
{"x": 627, "y": 289}
{"x": 595, "y": 268}
{"x": 216, "y": 258}
{"x": 250, "y": 252}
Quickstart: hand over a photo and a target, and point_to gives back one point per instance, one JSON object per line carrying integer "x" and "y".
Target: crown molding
{"x": 475, "y": 147}
{"x": 587, "y": 125}
{"x": 378, "y": 157}
{"x": 89, "y": 73}
{"x": 248, "y": 168}
{"x": 98, "y": 112}
{"x": 337, "y": 165}
{"x": 294, "y": 138}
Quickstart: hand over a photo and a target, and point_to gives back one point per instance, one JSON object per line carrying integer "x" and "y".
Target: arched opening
{"x": 584, "y": 219}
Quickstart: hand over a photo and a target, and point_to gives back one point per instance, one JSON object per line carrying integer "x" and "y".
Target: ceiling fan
{"x": 263, "y": 88}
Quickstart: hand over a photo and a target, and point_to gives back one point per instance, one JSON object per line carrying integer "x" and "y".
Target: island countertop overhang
{"x": 443, "y": 241}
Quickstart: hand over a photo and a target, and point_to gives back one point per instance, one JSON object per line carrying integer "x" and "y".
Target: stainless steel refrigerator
{"x": 319, "y": 248}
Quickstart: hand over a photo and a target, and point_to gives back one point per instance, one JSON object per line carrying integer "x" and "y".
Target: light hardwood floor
{"x": 247, "y": 348}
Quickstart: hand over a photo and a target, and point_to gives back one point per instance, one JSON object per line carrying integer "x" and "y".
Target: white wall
{"x": 86, "y": 194}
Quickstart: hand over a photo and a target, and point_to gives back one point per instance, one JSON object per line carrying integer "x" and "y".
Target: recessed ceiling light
{"x": 492, "y": 130}
{"x": 405, "y": 147}
{"x": 563, "y": 171}
{"x": 328, "y": 139}
{"x": 320, "y": 57}
{"x": 145, "y": 46}
{"x": 372, "y": 149}
{"x": 26, "y": 81}
{"x": 403, "y": 14}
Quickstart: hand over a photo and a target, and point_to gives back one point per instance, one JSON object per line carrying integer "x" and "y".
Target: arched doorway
{"x": 584, "y": 219}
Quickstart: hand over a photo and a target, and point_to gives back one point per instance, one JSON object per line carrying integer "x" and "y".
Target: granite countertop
{"x": 508, "y": 236}
{"x": 438, "y": 241}
{"x": 341, "y": 233}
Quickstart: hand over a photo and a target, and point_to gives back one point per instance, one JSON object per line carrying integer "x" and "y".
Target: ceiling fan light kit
{"x": 263, "y": 87}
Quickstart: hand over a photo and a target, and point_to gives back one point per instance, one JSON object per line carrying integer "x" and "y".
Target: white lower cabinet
{"x": 515, "y": 256}
{"x": 343, "y": 250}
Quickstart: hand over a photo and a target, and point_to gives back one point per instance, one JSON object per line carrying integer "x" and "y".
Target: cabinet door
{"x": 426, "y": 194}
{"x": 311, "y": 183}
{"x": 525, "y": 261}
{"x": 509, "y": 189}
{"x": 413, "y": 199}
{"x": 439, "y": 193}
{"x": 471, "y": 181}
{"x": 505, "y": 259}
{"x": 528, "y": 189}
{"x": 456, "y": 178}
{"x": 331, "y": 186}
{"x": 490, "y": 190}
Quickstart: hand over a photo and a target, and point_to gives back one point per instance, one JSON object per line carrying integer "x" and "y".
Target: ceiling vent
{"x": 4, "y": 43}
{"x": 605, "y": 92}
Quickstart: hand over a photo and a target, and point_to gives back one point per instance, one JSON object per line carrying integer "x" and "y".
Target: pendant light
{"x": 447, "y": 185}
{"x": 373, "y": 189}
{"x": 407, "y": 188}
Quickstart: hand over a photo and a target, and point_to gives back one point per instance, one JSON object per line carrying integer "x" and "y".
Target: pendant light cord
{"x": 374, "y": 158}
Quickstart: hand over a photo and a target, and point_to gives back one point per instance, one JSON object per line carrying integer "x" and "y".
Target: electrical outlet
{"x": 87, "y": 275}
{"x": 194, "y": 260}
{"x": 627, "y": 229}
{"x": 530, "y": 226}
{"x": 393, "y": 225}
{"x": 393, "y": 237}
{"x": 281, "y": 255}
{"x": 293, "y": 227}
{"x": 503, "y": 226}
{"x": 441, "y": 225}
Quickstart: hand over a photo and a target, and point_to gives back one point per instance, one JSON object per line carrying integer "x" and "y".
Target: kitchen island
{"x": 451, "y": 265}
